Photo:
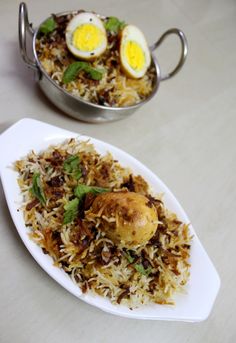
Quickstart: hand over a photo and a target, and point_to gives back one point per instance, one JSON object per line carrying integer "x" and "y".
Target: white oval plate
{"x": 204, "y": 283}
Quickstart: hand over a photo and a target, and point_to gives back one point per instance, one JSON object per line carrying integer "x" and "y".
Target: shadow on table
{"x": 5, "y": 125}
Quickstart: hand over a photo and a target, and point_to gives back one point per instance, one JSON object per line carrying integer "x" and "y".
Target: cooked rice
{"x": 82, "y": 250}
{"x": 115, "y": 89}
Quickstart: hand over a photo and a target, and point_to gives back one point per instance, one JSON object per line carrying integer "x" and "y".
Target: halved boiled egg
{"x": 134, "y": 52}
{"x": 86, "y": 36}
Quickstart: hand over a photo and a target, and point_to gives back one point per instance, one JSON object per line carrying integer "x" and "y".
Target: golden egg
{"x": 127, "y": 218}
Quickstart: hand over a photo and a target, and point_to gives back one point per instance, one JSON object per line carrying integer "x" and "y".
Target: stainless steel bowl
{"x": 73, "y": 105}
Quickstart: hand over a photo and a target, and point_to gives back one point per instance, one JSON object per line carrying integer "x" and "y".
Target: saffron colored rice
{"x": 94, "y": 262}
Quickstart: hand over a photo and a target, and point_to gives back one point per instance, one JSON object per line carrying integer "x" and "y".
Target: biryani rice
{"x": 114, "y": 89}
{"x": 94, "y": 262}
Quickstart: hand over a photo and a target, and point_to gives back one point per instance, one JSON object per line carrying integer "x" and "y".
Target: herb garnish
{"x": 129, "y": 257}
{"x": 140, "y": 268}
{"x": 72, "y": 166}
{"x": 48, "y": 26}
{"x": 73, "y": 70}
{"x": 81, "y": 190}
{"x": 37, "y": 189}
{"x": 71, "y": 211}
{"x": 113, "y": 24}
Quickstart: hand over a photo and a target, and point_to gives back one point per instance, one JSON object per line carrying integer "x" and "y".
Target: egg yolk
{"x": 87, "y": 37}
{"x": 134, "y": 55}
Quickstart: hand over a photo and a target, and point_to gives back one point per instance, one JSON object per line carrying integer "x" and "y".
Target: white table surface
{"x": 186, "y": 135}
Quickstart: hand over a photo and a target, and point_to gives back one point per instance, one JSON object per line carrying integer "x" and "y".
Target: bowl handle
{"x": 24, "y": 26}
{"x": 184, "y": 50}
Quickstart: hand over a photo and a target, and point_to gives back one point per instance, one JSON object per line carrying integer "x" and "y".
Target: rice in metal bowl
{"x": 60, "y": 186}
{"x": 114, "y": 88}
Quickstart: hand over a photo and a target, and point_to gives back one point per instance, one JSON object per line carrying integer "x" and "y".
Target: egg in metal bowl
{"x": 96, "y": 69}
{"x": 86, "y": 36}
{"x": 99, "y": 59}
{"x": 135, "y": 56}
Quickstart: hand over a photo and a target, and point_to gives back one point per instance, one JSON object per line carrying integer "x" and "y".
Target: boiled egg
{"x": 86, "y": 36}
{"x": 134, "y": 52}
{"x": 127, "y": 218}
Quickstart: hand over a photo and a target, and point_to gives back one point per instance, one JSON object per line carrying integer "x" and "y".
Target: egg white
{"x": 131, "y": 33}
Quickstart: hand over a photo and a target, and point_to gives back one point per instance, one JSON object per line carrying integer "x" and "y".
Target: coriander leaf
{"x": 48, "y": 26}
{"x": 140, "y": 268}
{"x": 71, "y": 166}
{"x": 113, "y": 24}
{"x": 73, "y": 70}
{"x": 71, "y": 211}
{"x": 37, "y": 189}
{"x": 81, "y": 190}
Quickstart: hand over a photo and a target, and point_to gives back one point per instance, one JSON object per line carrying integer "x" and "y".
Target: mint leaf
{"x": 71, "y": 211}
{"x": 37, "y": 189}
{"x": 113, "y": 24}
{"x": 94, "y": 74}
{"x": 129, "y": 257}
{"x": 72, "y": 166}
{"x": 81, "y": 190}
{"x": 48, "y": 26}
{"x": 73, "y": 70}
{"x": 140, "y": 268}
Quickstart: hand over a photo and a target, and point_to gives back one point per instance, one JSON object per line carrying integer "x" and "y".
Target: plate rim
{"x": 83, "y": 297}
